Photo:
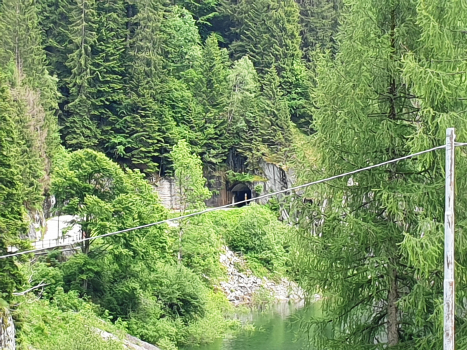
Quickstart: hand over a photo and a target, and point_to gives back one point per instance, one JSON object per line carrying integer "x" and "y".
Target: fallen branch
{"x": 40, "y": 285}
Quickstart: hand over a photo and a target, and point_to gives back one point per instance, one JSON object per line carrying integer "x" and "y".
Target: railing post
{"x": 449, "y": 286}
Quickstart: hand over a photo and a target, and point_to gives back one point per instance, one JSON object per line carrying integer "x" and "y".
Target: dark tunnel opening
{"x": 240, "y": 192}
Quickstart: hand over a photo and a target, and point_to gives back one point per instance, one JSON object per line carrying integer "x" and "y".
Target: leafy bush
{"x": 215, "y": 323}
{"x": 179, "y": 291}
{"x": 51, "y": 276}
{"x": 148, "y": 323}
{"x": 83, "y": 274}
{"x": 66, "y": 323}
{"x": 260, "y": 235}
{"x": 201, "y": 248}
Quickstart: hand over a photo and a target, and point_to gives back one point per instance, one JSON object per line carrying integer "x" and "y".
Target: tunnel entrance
{"x": 240, "y": 192}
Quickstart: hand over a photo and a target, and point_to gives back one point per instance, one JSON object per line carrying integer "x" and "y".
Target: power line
{"x": 234, "y": 204}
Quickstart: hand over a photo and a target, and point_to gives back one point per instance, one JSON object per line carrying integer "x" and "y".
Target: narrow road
{"x": 60, "y": 230}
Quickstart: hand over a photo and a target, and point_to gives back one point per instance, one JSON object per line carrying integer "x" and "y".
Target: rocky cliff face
{"x": 7, "y": 331}
{"x": 242, "y": 286}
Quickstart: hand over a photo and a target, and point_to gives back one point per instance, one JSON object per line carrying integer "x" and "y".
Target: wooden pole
{"x": 449, "y": 287}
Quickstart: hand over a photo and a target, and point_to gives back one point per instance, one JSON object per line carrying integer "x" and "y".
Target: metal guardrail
{"x": 50, "y": 243}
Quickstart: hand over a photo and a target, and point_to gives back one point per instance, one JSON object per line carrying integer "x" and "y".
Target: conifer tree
{"x": 181, "y": 41}
{"x": 80, "y": 128}
{"x": 243, "y": 112}
{"x": 319, "y": 21}
{"x": 21, "y": 40}
{"x": 204, "y": 12}
{"x": 144, "y": 128}
{"x": 372, "y": 243}
{"x": 275, "y": 126}
{"x": 108, "y": 65}
{"x": 11, "y": 193}
{"x": 34, "y": 91}
{"x": 54, "y": 19}
{"x": 268, "y": 31}
{"x": 212, "y": 92}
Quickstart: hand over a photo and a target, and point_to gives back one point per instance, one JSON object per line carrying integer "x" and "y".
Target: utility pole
{"x": 449, "y": 287}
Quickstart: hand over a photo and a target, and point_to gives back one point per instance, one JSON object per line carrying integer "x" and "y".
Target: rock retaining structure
{"x": 242, "y": 286}
{"x": 7, "y": 331}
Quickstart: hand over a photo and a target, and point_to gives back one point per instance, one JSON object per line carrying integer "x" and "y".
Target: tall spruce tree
{"x": 319, "y": 23}
{"x": 21, "y": 40}
{"x": 108, "y": 65}
{"x": 268, "y": 31}
{"x": 181, "y": 41}
{"x": 212, "y": 93}
{"x": 34, "y": 92}
{"x": 275, "y": 128}
{"x": 243, "y": 113}
{"x": 80, "y": 128}
{"x": 11, "y": 193}
{"x": 144, "y": 129}
{"x": 372, "y": 244}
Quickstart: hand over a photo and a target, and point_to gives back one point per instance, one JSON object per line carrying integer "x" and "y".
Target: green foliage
{"x": 371, "y": 245}
{"x": 202, "y": 246}
{"x": 259, "y": 235}
{"x": 188, "y": 172}
{"x": 105, "y": 197}
{"x": 12, "y": 223}
{"x": 262, "y": 297}
{"x": 67, "y": 322}
{"x": 319, "y": 22}
{"x": 80, "y": 126}
{"x": 259, "y": 189}
{"x": 214, "y": 325}
{"x": 234, "y": 177}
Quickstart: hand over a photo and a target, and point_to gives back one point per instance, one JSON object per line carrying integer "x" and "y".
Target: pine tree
{"x": 275, "y": 126}
{"x": 80, "y": 128}
{"x": 319, "y": 22}
{"x": 212, "y": 92}
{"x": 54, "y": 19}
{"x": 268, "y": 31}
{"x": 181, "y": 41}
{"x": 11, "y": 193}
{"x": 204, "y": 12}
{"x": 143, "y": 131}
{"x": 108, "y": 66}
{"x": 21, "y": 41}
{"x": 372, "y": 244}
{"x": 243, "y": 112}
{"x": 34, "y": 91}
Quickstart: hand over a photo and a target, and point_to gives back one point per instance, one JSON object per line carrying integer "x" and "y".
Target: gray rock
{"x": 242, "y": 285}
{"x": 7, "y": 331}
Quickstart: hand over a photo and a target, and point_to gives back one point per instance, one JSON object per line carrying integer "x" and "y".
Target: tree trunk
{"x": 393, "y": 325}
{"x": 180, "y": 235}
{"x": 7, "y": 331}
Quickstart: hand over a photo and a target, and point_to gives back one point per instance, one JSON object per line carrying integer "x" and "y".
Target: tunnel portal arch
{"x": 240, "y": 192}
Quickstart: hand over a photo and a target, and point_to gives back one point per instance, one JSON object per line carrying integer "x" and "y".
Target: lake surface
{"x": 275, "y": 329}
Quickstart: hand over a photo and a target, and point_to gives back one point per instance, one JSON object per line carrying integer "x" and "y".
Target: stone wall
{"x": 7, "y": 331}
{"x": 168, "y": 192}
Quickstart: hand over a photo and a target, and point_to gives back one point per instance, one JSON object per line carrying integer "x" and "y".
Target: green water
{"x": 275, "y": 329}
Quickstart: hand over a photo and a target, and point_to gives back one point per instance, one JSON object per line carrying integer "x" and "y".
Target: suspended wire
{"x": 232, "y": 204}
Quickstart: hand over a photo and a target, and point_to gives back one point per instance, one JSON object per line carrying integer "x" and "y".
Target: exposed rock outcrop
{"x": 7, "y": 331}
{"x": 242, "y": 286}
{"x": 130, "y": 342}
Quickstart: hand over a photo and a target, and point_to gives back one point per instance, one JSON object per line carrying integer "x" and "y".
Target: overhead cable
{"x": 232, "y": 204}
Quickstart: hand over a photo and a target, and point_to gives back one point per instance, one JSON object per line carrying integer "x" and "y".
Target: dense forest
{"x": 98, "y": 96}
